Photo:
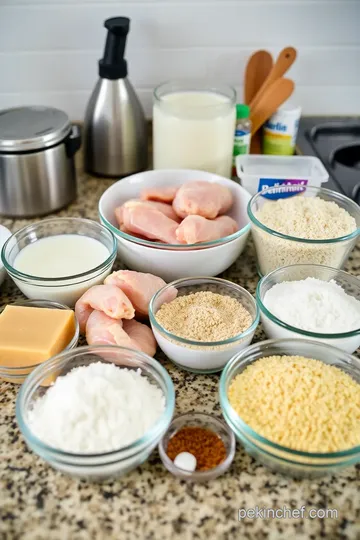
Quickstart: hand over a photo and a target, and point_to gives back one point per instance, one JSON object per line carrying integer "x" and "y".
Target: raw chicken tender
{"x": 166, "y": 209}
{"x": 194, "y": 229}
{"x": 141, "y": 335}
{"x": 103, "y": 330}
{"x": 151, "y": 223}
{"x": 107, "y": 298}
{"x": 163, "y": 194}
{"x": 138, "y": 287}
{"x": 204, "y": 199}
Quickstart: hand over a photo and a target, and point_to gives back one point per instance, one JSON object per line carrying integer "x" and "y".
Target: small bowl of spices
{"x": 200, "y": 322}
{"x": 197, "y": 447}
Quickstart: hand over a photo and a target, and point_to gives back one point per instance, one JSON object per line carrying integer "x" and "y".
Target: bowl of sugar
{"x": 313, "y": 302}
{"x": 59, "y": 259}
{"x": 105, "y": 412}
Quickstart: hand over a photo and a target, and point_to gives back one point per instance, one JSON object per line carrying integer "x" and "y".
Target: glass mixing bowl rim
{"x": 333, "y": 194}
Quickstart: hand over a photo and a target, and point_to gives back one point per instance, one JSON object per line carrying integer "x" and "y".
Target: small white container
{"x": 199, "y": 356}
{"x": 280, "y": 131}
{"x": 274, "y": 328}
{"x": 258, "y": 172}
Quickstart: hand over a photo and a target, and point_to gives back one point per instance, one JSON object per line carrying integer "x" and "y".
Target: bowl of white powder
{"x": 313, "y": 302}
{"x": 96, "y": 412}
{"x": 302, "y": 225}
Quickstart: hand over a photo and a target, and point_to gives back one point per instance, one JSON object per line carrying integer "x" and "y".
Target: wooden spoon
{"x": 257, "y": 69}
{"x": 274, "y": 96}
{"x": 285, "y": 59}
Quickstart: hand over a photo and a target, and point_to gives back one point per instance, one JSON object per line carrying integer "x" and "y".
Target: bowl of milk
{"x": 4, "y": 235}
{"x": 59, "y": 259}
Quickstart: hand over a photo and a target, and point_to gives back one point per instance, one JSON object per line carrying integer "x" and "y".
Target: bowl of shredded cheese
{"x": 105, "y": 412}
{"x": 294, "y": 405}
{"x": 302, "y": 225}
{"x": 201, "y": 322}
{"x": 313, "y": 302}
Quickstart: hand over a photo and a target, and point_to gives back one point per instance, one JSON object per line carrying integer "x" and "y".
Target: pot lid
{"x": 32, "y": 128}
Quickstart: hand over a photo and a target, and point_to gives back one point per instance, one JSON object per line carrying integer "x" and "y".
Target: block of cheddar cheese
{"x": 31, "y": 335}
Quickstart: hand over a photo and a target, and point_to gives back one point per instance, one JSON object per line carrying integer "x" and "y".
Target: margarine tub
{"x": 280, "y": 131}
{"x": 258, "y": 172}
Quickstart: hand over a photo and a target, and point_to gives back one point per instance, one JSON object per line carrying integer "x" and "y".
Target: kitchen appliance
{"x": 336, "y": 141}
{"x": 37, "y": 172}
{"x": 115, "y": 130}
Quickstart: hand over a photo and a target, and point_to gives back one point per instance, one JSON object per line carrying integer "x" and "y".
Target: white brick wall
{"x": 49, "y": 48}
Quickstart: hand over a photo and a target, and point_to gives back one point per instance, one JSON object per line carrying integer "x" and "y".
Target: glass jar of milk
{"x": 193, "y": 127}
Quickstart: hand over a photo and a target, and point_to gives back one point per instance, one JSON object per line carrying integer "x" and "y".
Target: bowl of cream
{"x": 59, "y": 259}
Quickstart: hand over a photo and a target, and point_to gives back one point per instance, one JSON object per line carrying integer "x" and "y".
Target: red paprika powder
{"x": 202, "y": 443}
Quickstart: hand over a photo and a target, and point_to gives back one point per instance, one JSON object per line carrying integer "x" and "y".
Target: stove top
{"x": 336, "y": 141}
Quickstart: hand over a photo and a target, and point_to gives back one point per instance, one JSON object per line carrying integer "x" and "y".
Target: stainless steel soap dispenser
{"x": 115, "y": 129}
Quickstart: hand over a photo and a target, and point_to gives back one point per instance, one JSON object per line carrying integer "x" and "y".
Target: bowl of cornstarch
{"x": 294, "y": 405}
{"x": 311, "y": 301}
{"x": 201, "y": 322}
{"x": 105, "y": 412}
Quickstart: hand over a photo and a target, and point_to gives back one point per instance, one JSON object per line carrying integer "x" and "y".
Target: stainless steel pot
{"x": 37, "y": 171}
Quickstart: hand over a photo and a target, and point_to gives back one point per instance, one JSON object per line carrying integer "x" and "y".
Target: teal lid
{"x": 242, "y": 110}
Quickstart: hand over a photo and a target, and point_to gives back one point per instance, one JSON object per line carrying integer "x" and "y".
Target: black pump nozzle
{"x": 113, "y": 65}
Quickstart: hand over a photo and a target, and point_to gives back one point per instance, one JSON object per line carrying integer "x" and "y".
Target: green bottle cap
{"x": 242, "y": 110}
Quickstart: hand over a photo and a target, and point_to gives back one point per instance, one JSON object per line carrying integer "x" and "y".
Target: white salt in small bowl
{"x": 202, "y": 356}
{"x": 277, "y": 329}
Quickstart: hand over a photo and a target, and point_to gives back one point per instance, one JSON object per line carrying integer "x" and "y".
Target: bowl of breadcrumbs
{"x": 201, "y": 322}
{"x": 310, "y": 226}
{"x": 294, "y": 404}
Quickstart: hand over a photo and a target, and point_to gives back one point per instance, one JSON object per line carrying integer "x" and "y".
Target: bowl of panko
{"x": 294, "y": 405}
{"x": 177, "y": 223}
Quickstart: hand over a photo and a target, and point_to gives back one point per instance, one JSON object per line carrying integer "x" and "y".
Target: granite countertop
{"x": 36, "y": 502}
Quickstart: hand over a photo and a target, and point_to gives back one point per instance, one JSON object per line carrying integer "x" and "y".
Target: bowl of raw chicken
{"x": 177, "y": 223}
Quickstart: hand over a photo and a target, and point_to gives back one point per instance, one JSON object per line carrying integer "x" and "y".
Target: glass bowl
{"x": 202, "y": 356}
{"x": 19, "y": 374}
{"x": 275, "y": 456}
{"x": 205, "y": 421}
{"x": 65, "y": 290}
{"x": 274, "y": 249}
{"x": 105, "y": 465}
{"x": 275, "y": 328}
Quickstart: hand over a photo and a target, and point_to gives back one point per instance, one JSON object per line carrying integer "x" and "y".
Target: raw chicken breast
{"x": 163, "y": 194}
{"x": 125, "y": 230}
{"x": 204, "y": 199}
{"x": 138, "y": 287}
{"x": 151, "y": 223}
{"x": 107, "y": 298}
{"x": 103, "y": 330}
{"x": 166, "y": 209}
{"x": 141, "y": 335}
{"x": 194, "y": 229}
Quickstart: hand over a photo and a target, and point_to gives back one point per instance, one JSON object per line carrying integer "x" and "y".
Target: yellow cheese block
{"x": 31, "y": 335}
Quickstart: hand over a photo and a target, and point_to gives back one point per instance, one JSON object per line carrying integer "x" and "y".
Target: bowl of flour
{"x": 313, "y": 302}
